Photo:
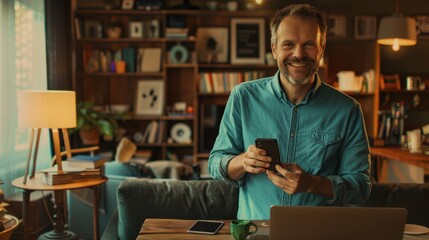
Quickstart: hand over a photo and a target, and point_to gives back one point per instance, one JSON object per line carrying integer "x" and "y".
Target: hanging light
{"x": 397, "y": 30}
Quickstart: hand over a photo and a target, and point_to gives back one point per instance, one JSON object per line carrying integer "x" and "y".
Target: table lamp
{"x": 46, "y": 109}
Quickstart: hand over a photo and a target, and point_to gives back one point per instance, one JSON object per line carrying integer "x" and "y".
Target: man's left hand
{"x": 292, "y": 180}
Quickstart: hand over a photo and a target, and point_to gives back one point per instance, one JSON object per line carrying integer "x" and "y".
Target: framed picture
{"x": 127, "y": 4}
{"x": 336, "y": 26}
{"x": 247, "y": 41}
{"x": 422, "y": 23}
{"x": 390, "y": 82}
{"x": 136, "y": 29}
{"x": 93, "y": 28}
{"x": 365, "y": 27}
{"x": 149, "y": 97}
{"x": 212, "y": 44}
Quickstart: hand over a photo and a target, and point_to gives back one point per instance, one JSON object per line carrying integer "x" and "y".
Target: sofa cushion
{"x": 139, "y": 199}
{"x": 414, "y": 197}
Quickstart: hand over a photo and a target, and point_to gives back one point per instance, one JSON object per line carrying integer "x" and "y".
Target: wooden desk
{"x": 399, "y": 154}
{"x": 34, "y": 184}
{"x": 176, "y": 229}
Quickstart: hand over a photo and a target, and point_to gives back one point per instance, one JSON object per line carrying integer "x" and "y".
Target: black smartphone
{"x": 205, "y": 227}
{"x": 272, "y": 148}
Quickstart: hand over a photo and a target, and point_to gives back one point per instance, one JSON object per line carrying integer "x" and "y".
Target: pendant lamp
{"x": 397, "y": 30}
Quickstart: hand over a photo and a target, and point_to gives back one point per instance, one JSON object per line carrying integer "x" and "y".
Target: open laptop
{"x": 336, "y": 223}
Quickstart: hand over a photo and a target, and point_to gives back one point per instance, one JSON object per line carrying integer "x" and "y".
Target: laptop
{"x": 336, "y": 223}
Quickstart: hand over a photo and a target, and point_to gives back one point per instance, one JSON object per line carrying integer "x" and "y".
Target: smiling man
{"x": 321, "y": 133}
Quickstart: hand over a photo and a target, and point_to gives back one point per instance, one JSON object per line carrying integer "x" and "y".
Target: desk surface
{"x": 36, "y": 184}
{"x": 399, "y": 154}
{"x": 176, "y": 229}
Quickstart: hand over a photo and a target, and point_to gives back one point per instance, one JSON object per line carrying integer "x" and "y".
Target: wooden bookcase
{"x": 182, "y": 80}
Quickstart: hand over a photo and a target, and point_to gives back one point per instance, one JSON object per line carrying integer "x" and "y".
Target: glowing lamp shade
{"x": 47, "y": 109}
{"x": 397, "y": 31}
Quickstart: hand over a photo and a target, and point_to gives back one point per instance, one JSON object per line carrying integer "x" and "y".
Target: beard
{"x": 299, "y": 76}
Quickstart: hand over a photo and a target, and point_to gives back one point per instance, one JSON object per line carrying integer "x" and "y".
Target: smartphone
{"x": 272, "y": 148}
{"x": 205, "y": 227}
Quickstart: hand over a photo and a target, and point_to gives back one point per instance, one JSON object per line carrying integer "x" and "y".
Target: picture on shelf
{"x": 336, "y": 26}
{"x": 93, "y": 28}
{"x": 390, "y": 82}
{"x": 422, "y": 26}
{"x": 127, "y": 4}
{"x": 365, "y": 27}
{"x": 136, "y": 29}
{"x": 247, "y": 41}
{"x": 149, "y": 97}
{"x": 212, "y": 44}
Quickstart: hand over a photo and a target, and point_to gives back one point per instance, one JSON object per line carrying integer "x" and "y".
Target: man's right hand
{"x": 254, "y": 160}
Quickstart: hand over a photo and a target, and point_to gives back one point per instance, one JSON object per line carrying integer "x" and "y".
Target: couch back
{"x": 139, "y": 199}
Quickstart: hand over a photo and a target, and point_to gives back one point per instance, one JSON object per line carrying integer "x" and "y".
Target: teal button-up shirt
{"x": 324, "y": 134}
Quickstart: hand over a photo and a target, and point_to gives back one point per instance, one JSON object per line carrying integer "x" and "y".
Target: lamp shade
{"x": 397, "y": 28}
{"x": 47, "y": 109}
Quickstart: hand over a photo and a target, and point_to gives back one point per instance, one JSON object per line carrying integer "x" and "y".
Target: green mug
{"x": 240, "y": 229}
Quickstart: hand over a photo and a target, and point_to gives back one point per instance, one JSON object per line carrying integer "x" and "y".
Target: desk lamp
{"x": 46, "y": 109}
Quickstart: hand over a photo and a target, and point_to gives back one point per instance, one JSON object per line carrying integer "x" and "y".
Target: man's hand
{"x": 254, "y": 160}
{"x": 295, "y": 180}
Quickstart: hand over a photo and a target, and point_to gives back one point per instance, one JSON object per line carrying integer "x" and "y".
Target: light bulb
{"x": 395, "y": 45}
{"x": 259, "y": 2}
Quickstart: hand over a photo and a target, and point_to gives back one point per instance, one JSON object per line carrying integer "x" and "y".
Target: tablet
{"x": 205, "y": 227}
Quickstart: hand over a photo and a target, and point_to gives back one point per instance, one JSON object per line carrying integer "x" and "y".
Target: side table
{"x": 59, "y": 232}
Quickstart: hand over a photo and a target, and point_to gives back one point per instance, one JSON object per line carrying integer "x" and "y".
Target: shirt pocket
{"x": 322, "y": 148}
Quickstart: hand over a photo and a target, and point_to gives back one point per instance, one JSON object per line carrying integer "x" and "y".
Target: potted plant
{"x": 93, "y": 123}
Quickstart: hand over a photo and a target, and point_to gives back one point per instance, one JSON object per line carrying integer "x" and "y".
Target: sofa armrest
{"x": 414, "y": 197}
{"x": 139, "y": 199}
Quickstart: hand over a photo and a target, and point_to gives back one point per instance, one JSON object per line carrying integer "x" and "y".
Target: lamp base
{"x": 65, "y": 235}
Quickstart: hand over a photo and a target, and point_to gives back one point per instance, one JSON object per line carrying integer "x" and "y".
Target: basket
{"x": 5, "y": 235}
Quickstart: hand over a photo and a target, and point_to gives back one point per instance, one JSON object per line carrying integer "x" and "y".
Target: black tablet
{"x": 205, "y": 227}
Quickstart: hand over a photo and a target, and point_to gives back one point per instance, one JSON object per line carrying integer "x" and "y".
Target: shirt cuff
{"x": 224, "y": 162}
{"x": 339, "y": 187}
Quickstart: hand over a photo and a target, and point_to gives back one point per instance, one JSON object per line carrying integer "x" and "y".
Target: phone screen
{"x": 205, "y": 227}
{"x": 272, "y": 148}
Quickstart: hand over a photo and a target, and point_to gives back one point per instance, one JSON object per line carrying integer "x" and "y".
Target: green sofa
{"x": 139, "y": 199}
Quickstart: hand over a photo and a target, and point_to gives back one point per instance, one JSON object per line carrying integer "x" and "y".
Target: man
{"x": 321, "y": 133}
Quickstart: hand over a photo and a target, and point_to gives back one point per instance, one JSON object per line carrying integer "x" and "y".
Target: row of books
{"x": 136, "y": 60}
{"x": 176, "y": 33}
{"x": 78, "y": 168}
{"x": 222, "y": 82}
{"x": 153, "y": 134}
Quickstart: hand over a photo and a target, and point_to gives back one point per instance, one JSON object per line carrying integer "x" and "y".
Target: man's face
{"x": 298, "y": 49}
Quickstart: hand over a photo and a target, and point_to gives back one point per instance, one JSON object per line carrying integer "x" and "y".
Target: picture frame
{"x": 127, "y": 4}
{"x": 390, "y": 82}
{"x": 247, "y": 41}
{"x": 149, "y": 97}
{"x": 422, "y": 23}
{"x": 212, "y": 44}
{"x": 136, "y": 29}
{"x": 365, "y": 27}
{"x": 337, "y": 26}
{"x": 93, "y": 28}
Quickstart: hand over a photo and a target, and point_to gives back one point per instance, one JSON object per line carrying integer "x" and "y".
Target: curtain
{"x": 22, "y": 67}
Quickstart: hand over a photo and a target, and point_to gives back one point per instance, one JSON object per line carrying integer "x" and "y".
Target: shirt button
{"x": 295, "y": 109}
{"x": 292, "y": 134}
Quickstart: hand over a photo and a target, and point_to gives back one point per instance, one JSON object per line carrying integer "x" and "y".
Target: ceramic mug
{"x": 240, "y": 229}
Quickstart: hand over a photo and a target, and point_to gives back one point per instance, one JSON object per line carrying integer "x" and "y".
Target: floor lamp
{"x": 54, "y": 110}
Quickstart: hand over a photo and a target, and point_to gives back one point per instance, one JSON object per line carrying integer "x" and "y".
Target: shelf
{"x": 359, "y": 94}
{"x": 203, "y": 155}
{"x": 165, "y": 145}
{"x": 180, "y": 65}
{"x": 239, "y": 13}
{"x": 164, "y": 117}
{"x": 121, "y": 40}
{"x": 404, "y": 91}
{"x": 113, "y": 75}
{"x": 222, "y": 66}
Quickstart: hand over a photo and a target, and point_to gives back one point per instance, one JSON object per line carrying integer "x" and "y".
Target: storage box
{"x": 38, "y": 219}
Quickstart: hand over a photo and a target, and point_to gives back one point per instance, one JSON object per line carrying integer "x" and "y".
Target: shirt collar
{"x": 278, "y": 91}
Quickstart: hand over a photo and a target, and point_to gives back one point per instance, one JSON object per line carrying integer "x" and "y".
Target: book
{"x": 151, "y": 60}
{"x": 55, "y": 178}
{"x": 86, "y": 161}
{"x": 6, "y": 222}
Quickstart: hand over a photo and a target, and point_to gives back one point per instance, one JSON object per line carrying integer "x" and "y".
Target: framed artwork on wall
{"x": 337, "y": 26}
{"x": 365, "y": 27}
{"x": 149, "y": 97}
{"x": 422, "y": 23}
{"x": 136, "y": 29}
{"x": 247, "y": 41}
{"x": 212, "y": 44}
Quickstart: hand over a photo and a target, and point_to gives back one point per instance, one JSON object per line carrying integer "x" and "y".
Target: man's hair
{"x": 300, "y": 10}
